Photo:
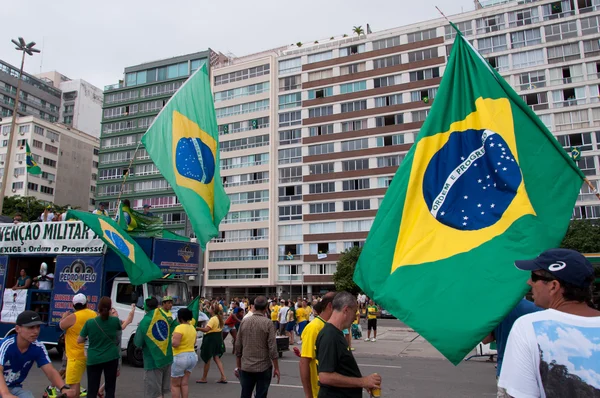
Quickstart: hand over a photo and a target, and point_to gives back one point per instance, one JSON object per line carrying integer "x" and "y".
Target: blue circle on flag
{"x": 118, "y": 242}
{"x": 160, "y": 330}
{"x": 470, "y": 182}
{"x": 195, "y": 160}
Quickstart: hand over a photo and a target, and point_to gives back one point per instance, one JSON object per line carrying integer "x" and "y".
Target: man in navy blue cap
{"x": 555, "y": 352}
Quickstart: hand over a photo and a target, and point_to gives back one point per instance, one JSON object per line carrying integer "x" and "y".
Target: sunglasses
{"x": 536, "y": 277}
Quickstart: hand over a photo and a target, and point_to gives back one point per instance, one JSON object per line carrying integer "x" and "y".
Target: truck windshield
{"x": 176, "y": 289}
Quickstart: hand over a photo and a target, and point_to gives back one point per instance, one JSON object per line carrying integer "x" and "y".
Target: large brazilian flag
{"x": 140, "y": 269}
{"x": 484, "y": 184}
{"x": 183, "y": 142}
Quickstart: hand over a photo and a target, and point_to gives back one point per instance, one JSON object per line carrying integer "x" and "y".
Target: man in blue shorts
{"x": 17, "y": 355}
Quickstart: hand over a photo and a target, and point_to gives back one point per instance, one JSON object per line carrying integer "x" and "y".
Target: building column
{"x": 309, "y": 292}
{"x": 279, "y": 290}
{"x": 227, "y": 294}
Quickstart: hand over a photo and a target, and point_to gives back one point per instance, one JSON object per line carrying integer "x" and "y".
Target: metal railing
{"x": 250, "y": 182}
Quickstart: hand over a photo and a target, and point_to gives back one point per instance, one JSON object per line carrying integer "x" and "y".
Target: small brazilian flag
{"x": 183, "y": 142}
{"x": 484, "y": 184}
{"x": 194, "y": 306}
{"x": 138, "y": 224}
{"x": 32, "y": 166}
{"x": 138, "y": 266}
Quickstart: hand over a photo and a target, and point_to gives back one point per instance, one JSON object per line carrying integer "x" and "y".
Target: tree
{"x": 583, "y": 236}
{"x": 29, "y": 207}
{"x": 358, "y": 30}
{"x": 343, "y": 276}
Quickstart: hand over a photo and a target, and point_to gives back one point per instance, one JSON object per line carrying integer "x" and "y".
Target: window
{"x": 320, "y": 111}
{"x": 38, "y": 130}
{"x": 322, "y": 187}
{"x": 357, "y": 226}
{"x": 290, "y": 100}
{"x": 500, "y": 63}
{"x": 322, "y": 228}
{"x": 37, "y": 144}
{"x": 151, "y": 185}
{"x": 290, "y": 155}
{"x": 419, "y": 116}
{"x": 319, "y": 75}
{"x": 17, "y": 185}
{"x": 320, "y": 130}
{"x": 287, "y": 213}
{"x": 246, "y": 74}
{"x": 528, "y": 58}
{"x": 591, "y": 48}
{"x": 290, "y": 137}
{"x": 324, "y": 56}
{"x": 289, "y": 272}
{"x": 222, "y": 95}
{"x": 239, "y": 255}
{"x": 24, "y": 129}
{"x": 353, "y": 87}
{"x": 465, "y": 27}
{"x": 386, "y": 43}
{"x": 52, "y": 135}
{"x": 238, "y": 162}
{"x": 322, "y": 248}
{"x": 290, "y": 65}
{"x": 389, "y": 120}
{"x": 290, "y": 174}
{"x": 49, "y": 162}
{"x": 233, "y": 217}
{"x": 355, "y": 185}
{"x": 355, "y": 205}
{"x": 21, "y": 143}
{"x": 19, "y": 171}
{"x": 561, "y": 31}
{"x": 422, "y": 35}
{"x": 387, "y": 81}
{"x": 569, "y": 97}
{"x": 316, "y": 208}
{"x": 292, "y": 192}
{"x": 390, "y": 140}
{"x": 525, "y": 38}
{"x": 247, "y": 107}
{"x": 354, "y": 106}
{"x": 524, "y": 17}
{"x": 490, "y": 24}
{"x": 290, "y": 83}
{"x": 387, "y": 62}
{"x": 354, "y": 125}
{"x": 389, "y": 161}
{"x": 587, "y": 166}
{"x": 246, "y": 179}
{"x": 424, "y": 74}
{"x": 290, "y": 232}
{"x": 423, "y": 54}
{"x": 492, "y": 44}
{"x": 244, "y": 125}
{"x": 34, "y": 187}
{"x": 48, "y": 176}
{"x": 557, "y": 9}
{"x": 355, "y": 164}
{"x": 320, "y": 168}
{"x": 320, "y": 93}
{"x": 355, "y": 49}
{"x": 531, "y": 80}
{"x": 565, "y": 52}
{"x": 388, "y": 100}
{"x": 51, "y": 149}
{"x": 384, "y": 182}
{"x": 290, "y": 119}
{"x": 355, "y": 145}
{"x": 350, "y": 245}
{"x": 589, "y": 26}
{"x": 249, "y": 197}
{"x": 350, "y": 69}
{"x": 323, "y": 269}
{"x": 320, "y": 149}
{"x": 571, "y": 120}
{"x": 423, "y": 95}
{"x": 581, "y": 140}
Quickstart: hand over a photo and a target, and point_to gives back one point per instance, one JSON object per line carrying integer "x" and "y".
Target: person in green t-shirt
{"x": 103, "y": 354}
{"x": 157, "y": 364}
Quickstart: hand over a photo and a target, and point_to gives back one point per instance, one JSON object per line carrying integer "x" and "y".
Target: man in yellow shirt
{"x": 274, "y": 314}
{"x": 72, "y": 325}
{"x": 372, "y": 312}
{"x": 302, "y": 317}
{"x": 308, "y": 356}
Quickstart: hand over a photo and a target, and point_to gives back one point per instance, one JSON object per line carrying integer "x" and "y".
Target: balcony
{"x": 241, "y": 165}
{"x": 115, "y": 86}
{"x": 291, "y": 257}
{"x": 247, "y": 219}
{"x": 569, "y": 102}
{"x": 239, "y": 239}
{"x": 567, "y": 80}
{"x": 242, "y": 129}
{"x": 243, "y": 258}
{"x": 538, "y": 107}
{"x": 240, "y": 183}
{"x": 238, "y": 148}
{"x": 289, "y": 277}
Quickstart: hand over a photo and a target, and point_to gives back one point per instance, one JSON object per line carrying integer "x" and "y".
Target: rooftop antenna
{"x": 42, "y": 58}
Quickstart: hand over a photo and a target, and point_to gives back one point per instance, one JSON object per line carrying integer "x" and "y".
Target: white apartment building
{"x": 68, "y": 159}
{"x": 349, "y": 108}
{"x": 81, "y": 105}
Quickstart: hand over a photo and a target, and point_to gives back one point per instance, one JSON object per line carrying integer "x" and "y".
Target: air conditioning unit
{"x": 2, "y": 162}
{"x": 50, "y": 181}
{"x": 52, "y": 140}
{"x": 14, "y": 190}
{"x": 16, "y": 175}
{"x": 20, "y": 162}
{"x": 22, "y": 132}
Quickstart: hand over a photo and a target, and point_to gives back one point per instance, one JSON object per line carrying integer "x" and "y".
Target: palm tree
{"x": 358, "y": 30}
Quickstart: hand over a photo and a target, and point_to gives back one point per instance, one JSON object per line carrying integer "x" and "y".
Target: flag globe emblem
{"x": 471, "y": 181}
{"x": 117, "y": 241}
{"x": 195, "y": 160}
{"x": 160, "y": 330}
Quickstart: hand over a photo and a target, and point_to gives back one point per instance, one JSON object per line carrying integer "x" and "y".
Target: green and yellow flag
{"x": 159, "y": 338}
{"x": 138, "y": 266}
{"x": 183, "y": 142}
{"x": 194, "y": 307}
{"x": 484, "y": 184}
{"x": 138, "y": 224}
{"x": 32, "y": 166}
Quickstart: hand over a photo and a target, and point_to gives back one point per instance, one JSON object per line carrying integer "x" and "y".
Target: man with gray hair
{"x": 256, "y": 352}
{"x": 339, "y": 375}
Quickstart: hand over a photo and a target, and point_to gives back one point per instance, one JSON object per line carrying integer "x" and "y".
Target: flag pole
{"x": 443, "y": 15}
{"x": 594, "y": 190}
{"x": 127, "y": 175}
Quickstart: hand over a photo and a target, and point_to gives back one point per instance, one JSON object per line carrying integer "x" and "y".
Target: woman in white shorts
{"x": 184, "y": 355}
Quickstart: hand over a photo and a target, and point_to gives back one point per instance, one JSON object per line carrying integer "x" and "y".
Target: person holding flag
{"x": 153, "y": 337}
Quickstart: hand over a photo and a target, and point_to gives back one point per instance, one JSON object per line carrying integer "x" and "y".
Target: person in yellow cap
{"x": 167, "y": 304}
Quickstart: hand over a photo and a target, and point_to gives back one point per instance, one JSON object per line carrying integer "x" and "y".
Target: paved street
{"x": 409, "y": 366}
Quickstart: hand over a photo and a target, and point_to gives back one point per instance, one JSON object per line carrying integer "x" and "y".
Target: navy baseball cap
{"x": 565, "y": 264}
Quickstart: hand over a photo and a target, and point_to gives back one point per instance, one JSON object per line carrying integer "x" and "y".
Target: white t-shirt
{"x": 283, "y": 314}
{"x": 362, "y": 298}
{"x": 249, "y": 313}
{"x": 47, "y": 218}
{"x": 542, "y": 345}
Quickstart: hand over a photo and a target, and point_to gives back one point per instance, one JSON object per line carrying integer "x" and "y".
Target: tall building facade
{"x": 81, "y": 105}
{"x": 68, "y": 159}
{"x": 347, "y": 110}
{"x": 129, "y": 109}
{"x": 37, "y": 98}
